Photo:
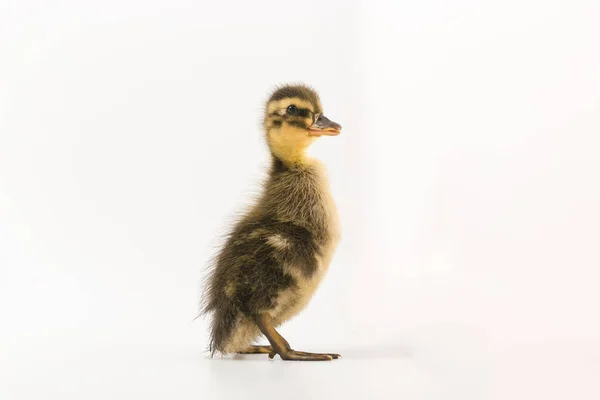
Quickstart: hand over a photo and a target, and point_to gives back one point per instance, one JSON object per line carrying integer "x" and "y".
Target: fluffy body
{"x": 276, "y": 255}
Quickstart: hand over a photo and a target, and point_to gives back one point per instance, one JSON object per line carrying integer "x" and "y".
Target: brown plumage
{"x": 278, "y": 252}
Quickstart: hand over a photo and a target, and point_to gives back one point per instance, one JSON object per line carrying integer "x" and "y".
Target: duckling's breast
{"x": 293, "y": 300}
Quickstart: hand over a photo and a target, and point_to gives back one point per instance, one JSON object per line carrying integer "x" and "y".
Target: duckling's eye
{"x": 292, "y": 110}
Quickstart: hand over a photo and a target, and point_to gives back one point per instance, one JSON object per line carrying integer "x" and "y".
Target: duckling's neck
{"x": 290, "y": 148}
{"x": 279, "y": 165}
{"x": 290, "y": 157}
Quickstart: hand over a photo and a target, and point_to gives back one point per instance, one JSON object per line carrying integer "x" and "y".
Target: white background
{"x": 467, "y": 178}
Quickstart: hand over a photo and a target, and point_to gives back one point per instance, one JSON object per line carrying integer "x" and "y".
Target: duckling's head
{"x": 294, "y": 120}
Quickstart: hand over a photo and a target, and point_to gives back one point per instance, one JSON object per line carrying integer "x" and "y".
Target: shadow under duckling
{"x": 277, "y": 254}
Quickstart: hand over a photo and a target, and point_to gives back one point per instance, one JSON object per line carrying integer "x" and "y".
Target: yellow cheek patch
{"x": 289, "y": 145}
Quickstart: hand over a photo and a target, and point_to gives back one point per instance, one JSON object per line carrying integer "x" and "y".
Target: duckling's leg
{"x": 282, "y": 347}
{"x": 257, "y": 350}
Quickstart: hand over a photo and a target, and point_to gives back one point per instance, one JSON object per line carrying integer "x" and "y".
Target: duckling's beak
{"x": 324, "y": 126}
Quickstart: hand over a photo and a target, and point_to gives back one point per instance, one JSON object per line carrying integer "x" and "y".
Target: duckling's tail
{"x": 223, "y": 321}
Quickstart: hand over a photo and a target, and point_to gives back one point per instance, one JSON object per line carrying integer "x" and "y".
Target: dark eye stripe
{"x": 302, "y": 112}
{"x": 299, "y": 124}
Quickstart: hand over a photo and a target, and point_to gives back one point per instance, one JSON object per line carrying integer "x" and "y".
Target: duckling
{"x": 277, "y": 254}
